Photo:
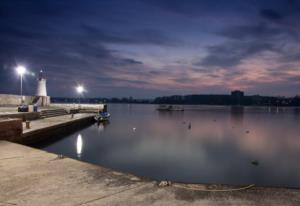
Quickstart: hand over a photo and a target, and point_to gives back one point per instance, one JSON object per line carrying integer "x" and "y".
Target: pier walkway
{"x": 33, "y": 177}
{"x": 43, "y": 129}
{"x": 53, "y": 121}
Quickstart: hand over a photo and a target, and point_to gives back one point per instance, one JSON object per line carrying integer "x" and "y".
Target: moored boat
{"x": 102, "y": 116}
{"x": 170, "y": 108}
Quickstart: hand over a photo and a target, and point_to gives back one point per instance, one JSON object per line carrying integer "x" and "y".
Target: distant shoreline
{"x": 237, "y": 98}
{"x": 216, "y": 105}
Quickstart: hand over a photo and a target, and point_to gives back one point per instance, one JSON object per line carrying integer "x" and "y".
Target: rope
{"x": 7, "y": 203}
{"x": 194, "y": 187}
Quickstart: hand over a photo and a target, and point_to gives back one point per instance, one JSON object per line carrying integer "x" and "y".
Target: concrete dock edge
{"x": 32, "y": 177}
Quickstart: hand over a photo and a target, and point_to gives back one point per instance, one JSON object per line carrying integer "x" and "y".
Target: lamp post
{"x": 21, "y": 70}
{"x": 80, "y": 90}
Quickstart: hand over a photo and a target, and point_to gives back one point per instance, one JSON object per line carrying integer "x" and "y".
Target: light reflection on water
{"x": 79, "y": 145}
{"x": 219, "y": 147}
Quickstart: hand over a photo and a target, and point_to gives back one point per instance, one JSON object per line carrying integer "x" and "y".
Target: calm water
{"x": 219, "y": 147}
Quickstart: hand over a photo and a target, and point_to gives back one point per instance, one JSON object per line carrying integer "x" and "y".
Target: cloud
{"x": 131, "y": 61}
{"x": 245, "y": 41}
{"x": 271, "y": 14}
{"x": 66, "y": 61}
{"x": 232, "y": 53}
{"x": 114, "y": 45}
{"x": 11, "y": 31}
{"x": 142, "y": 36}
{"x": 258, "y": 31}
{"x": 194, "y": 8}
{"x": 76, "y": 52}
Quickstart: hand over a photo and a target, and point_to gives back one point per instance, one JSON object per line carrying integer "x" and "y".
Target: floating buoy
{"x": 190, "y": 125}
{"x": 247, "y": 132}
{"x": 255, "y": 162}
{"x": 134, "y": 129}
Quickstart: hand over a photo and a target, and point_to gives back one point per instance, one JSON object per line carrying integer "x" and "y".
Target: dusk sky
{"x": 149, "y": 48}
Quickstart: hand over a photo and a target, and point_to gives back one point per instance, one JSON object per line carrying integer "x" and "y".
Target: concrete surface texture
{"x": 10, "y": 129}
{"x": 43, "y": 129}
{"x": 79, "y": 106}
{"x": 33, "y": 177}
{"x": 20, "y": 115}
{"x": 52, "y": 121}
{"x": 10, "y": 99}
{"x": 8, "y": 109}
{"x": 14, "y": 109}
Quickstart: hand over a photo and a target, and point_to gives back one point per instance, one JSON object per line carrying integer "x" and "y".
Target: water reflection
{"x": 171, "y": 114}
{"x": 219, "y": 147}
{"x": 101, "y": 126}
{"x": 79, "y": 145}
{"x": 237, "y": 115}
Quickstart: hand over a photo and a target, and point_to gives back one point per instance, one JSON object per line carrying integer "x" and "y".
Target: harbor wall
{"x": 22, "y": 115}
{"x": 11, "y": 129}
{"x": 14, "y": 100}
{"x": 54, "y": 132}
{"x": 84, "y": 108}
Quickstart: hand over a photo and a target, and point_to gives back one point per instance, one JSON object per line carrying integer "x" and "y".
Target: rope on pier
{"x": 7, "y": 203}
{"x": 197, "y": 188}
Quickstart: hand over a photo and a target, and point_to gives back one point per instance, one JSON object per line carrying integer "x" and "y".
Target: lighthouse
{"x": 41, "y": 86}
{"x": 41, "y": 98}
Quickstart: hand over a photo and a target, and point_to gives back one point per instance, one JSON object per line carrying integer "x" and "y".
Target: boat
{"x": 170, "y": 108}
{"x": 102, "y": 116}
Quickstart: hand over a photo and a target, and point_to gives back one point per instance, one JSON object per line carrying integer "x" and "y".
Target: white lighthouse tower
{"x": 41, "y": 92}
{"x": 41, "y": 86}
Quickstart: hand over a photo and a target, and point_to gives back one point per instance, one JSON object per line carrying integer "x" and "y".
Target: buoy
{"x": 190, "y": 126}
{"x": 134, "y": 129}
{"x": 255, "y": 162}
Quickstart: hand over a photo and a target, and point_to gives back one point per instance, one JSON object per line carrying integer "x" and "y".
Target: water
{"x": 220, "y": 146}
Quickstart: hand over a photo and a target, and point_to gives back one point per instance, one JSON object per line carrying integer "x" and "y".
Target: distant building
{"x": 237, "y": 93}
{"x": 237, "y": 97}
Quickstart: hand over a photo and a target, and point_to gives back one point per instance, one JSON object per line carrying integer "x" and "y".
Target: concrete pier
{"x": 41, "y": 129}
{"x": 10, "y": 129}
{"x": 11, "y": 112}
{"x": 44, "y": 129}
{"x": 33, "y": 177}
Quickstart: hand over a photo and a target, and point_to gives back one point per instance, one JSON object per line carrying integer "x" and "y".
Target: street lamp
{"x": 21, "y": 70}
{"x": 80, "y": 90}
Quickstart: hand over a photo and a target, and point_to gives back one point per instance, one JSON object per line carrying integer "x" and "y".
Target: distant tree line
{"x": 129, "y": 100}
{"x": 254, "y": 100}
{"x": 236, "y": 98}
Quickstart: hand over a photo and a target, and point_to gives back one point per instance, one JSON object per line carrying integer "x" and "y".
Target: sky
{"x": 149, "y": 48}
